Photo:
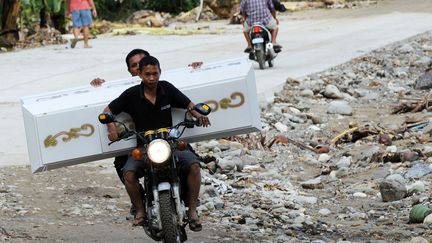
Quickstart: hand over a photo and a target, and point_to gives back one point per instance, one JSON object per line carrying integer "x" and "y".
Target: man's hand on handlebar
{"x": 203, "y": 121}
{"x": 112, "y": 132}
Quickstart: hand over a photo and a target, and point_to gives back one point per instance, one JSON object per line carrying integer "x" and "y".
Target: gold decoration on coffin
{"x": 226, "y": 103}
{"x": 51, "y": 141}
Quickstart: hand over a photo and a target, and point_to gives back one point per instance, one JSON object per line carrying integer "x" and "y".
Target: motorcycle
{"x": 166, "y": 216}
{"x": 263, "y": 50}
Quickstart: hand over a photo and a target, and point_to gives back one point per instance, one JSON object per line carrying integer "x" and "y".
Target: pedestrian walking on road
{"x": 81, "y": 12}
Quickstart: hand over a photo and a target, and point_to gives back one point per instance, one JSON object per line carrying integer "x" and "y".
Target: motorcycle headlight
{"x": 159, "y": 151}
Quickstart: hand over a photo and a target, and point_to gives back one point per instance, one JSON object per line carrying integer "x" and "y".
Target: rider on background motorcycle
{"x": 259, "y": 11}
{"x": 149, "y": 105}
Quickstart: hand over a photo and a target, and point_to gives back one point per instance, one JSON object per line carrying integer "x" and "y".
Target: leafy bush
{"x": 117, "y": 10}
{"x": 172, "y": 6}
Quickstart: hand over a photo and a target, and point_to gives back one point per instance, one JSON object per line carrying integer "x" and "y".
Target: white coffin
{"x": 62, "y": 128}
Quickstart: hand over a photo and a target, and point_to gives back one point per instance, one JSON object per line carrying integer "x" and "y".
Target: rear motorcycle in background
{"x": 263, "y": 50}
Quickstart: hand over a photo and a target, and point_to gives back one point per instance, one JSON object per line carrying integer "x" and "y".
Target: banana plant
{"x": 41, "y": 12}
{"x": 53, "y": 6}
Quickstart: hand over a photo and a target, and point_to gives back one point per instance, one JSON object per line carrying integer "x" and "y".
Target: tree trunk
{"x": 9, "y": 31}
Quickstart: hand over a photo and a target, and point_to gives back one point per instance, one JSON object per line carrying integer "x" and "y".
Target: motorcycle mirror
{"x": 106, "y": 118}
{"x": 202, "y": 108}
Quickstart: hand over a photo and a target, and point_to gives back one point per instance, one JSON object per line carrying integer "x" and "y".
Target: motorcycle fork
{"x": 156, "y": 197}
{"x": 176, "y": 191}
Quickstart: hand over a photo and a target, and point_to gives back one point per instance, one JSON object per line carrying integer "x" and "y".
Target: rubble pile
{"x": 345, "y": 166}
{"x": 40, "y": 37}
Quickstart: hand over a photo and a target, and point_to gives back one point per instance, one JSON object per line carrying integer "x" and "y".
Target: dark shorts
{"x": 186, "y": 159}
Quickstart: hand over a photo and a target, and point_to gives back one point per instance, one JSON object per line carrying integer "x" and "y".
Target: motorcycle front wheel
{"x": 171, "y": 231}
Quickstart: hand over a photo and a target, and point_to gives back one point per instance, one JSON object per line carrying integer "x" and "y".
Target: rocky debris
{"x": 149, "y": 18}
{"x": 102, "y": 27}
{"x": 374, "y": 166}
{"x": 40, "y": 37}
{"x": 206, "y": 14}
{"x": 330, "y": 4}
{"x": 222, "y": 8}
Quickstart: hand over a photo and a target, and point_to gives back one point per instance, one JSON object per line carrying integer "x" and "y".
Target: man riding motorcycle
{"x": 263, "y": 11}
{"x": 149, "y": 105}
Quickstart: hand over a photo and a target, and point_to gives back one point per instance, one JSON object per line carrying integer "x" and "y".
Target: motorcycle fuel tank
{"x": 62, "y": 127}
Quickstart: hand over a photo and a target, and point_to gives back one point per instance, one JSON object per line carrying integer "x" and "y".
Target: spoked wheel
{"x": 171, "y": 231}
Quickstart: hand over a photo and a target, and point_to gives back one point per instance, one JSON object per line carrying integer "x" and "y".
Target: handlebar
{"x": 187, "y": 123}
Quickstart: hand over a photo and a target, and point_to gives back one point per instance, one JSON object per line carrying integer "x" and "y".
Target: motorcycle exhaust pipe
{"x": 270, "y": 50}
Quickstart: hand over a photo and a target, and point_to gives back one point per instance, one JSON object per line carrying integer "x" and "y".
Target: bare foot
{"x": 138, "y": 220}
{"x": 87, "y": 46}
{"x": 194, "y": 222}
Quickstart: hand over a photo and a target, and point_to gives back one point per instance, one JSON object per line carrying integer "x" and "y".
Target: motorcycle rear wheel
{"x": 171, "y": 231}
{"x": 260, "y": 58}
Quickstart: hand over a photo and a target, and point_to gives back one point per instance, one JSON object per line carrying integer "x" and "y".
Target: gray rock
{"x": 380, "y": 173}
{"x": 281, "y": 127}
{"x": 406, "y": 48}
{"x": 339, "y": 107}
{"x": 367, "y": 152}
{"x": 324, "y": 212}
{"x": 392, "y": 190}
{"x": 424, "y": 81}
{"x": 342, "y": 172}
{"x": 428, "y": 220}
{"x": 323, "y": 158}
{"x": 397, "y": 177}
{"x": 344, "y": 162}
{"x": 212, "y": 166}
{"x": 226, "y": 164}
{"x": 416, "y": 187}
{"x": 418, "y": 170}
{"x": 316, "y": 119}
{"x": 315, "y": 183}
{"x": 418, "y": 239}
{"x": 218, "y": 203}
{"x": 332, "y": 92}
{"x": 307, "y": 93}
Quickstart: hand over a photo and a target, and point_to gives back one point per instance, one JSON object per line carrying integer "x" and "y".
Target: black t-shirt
{"x": 145, "y": 115}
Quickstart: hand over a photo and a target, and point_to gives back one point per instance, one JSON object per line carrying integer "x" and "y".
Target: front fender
{"x": 164, "y": 186}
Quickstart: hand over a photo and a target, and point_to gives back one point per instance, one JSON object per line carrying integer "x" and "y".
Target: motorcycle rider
{"x": 149, "y": 104}
{"x": 132, "y": 62}
{"x": 259, "y": 11}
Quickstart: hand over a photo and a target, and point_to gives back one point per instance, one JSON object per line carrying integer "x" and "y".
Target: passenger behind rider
{"x": 149, "y": 105}
{"x": 132, "y": 63}
{"x": 259, "y": 11}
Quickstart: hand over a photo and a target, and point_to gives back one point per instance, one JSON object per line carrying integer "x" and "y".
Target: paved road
{"x": 312, "y": 42}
